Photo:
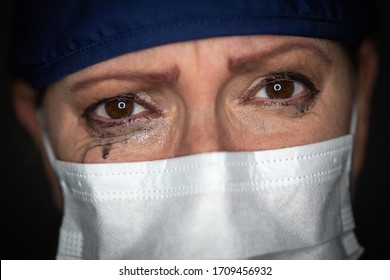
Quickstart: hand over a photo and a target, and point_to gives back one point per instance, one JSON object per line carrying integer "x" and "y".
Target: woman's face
{"x": 244, "y": 93}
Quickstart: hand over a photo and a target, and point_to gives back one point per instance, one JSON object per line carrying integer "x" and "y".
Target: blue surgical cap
{"x": 54, "y": 38}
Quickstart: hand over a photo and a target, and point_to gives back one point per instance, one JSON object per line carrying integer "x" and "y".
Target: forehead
{"x": 237, "y": 51}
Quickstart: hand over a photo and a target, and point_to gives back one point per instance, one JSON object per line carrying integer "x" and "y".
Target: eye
{"x": 119, "y": 108}
{"x": 127, "y": 117}
{"x": 280, "y": 89}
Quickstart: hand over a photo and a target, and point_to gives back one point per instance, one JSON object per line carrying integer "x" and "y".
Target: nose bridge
{"x": 202, "y": 132}
{"x": 202, "y": 128}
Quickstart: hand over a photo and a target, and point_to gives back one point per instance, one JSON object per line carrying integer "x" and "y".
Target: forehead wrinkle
{"x": 161, "y": 77}
{"x": 252, "y": 61}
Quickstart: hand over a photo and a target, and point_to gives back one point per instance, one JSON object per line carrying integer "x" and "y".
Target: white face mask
{"x": 290, "y": 203}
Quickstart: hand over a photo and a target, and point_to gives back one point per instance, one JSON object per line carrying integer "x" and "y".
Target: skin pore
{"x": 201, "y": 96}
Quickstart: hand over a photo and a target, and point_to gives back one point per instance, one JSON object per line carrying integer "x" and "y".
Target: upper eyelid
{"x": 134, "y": 96}
{"x": 130, "y": 96}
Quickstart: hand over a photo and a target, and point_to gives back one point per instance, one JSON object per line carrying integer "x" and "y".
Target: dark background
{"x": 30, "y": 222}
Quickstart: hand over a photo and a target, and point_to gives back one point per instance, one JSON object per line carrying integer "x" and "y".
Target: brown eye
{"x": 119, "y": 109}
{"x": 280, "y": 89}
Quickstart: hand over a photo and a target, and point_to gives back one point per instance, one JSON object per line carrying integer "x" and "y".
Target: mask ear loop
{"x": 45, "y": 138}
{"x": 353, "y": 128}
{"x": 354, "y": 116}
{"x": 347, "y": 197}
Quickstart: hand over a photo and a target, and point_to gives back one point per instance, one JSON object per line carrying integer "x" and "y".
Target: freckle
{"x": 106, "y": 151}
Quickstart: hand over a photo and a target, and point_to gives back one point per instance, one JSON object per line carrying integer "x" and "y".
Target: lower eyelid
{"x": 133, "y": 120}
{"x": 300, "y": 102}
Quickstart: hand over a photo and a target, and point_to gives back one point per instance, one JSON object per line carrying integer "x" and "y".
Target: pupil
{"x": 277, "y": 87}
{"x": 121, "y": 105}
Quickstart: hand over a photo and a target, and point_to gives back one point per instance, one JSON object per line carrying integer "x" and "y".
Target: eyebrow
{"x": 241, "y": 64}
{"x": 169, "y": 76}
{"x": 253, "y": 61}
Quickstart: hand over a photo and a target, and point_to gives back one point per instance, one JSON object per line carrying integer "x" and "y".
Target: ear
{"x": 367, "y": 74}
{"x": 24, "y": 100}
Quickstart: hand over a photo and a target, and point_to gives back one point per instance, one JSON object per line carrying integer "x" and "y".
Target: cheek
{"x": 336, "y": 106}
{"x": 265, "y": 130}
{"x": 148, "y": 143}
{"x": 72, "y": 140}
{"x": 271, "y": 128}
{"x": 67, "y": 137}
